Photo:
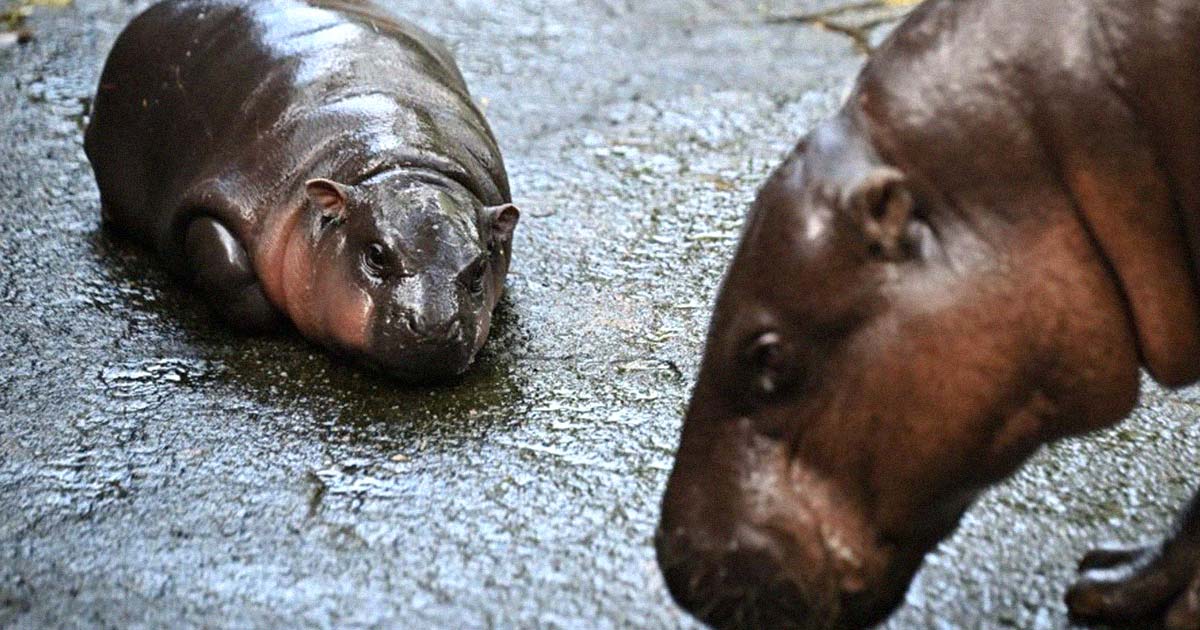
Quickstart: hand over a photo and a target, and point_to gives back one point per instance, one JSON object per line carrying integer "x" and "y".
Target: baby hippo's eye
{"x": 376, "y": 258}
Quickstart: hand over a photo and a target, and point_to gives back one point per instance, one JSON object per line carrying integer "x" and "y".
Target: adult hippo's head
{"x": 880, "y": 352}
{"x": 401, "y": 271}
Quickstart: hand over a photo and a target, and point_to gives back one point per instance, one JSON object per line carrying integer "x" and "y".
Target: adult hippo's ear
{"x": 885, "y": 207}
{"x": 501, "y": 222}
{"x": 330, "y": 197}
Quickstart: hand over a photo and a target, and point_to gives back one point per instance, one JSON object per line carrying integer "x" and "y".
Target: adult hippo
{"x": 317, "y": 160}
{"x": 970, "y": 260}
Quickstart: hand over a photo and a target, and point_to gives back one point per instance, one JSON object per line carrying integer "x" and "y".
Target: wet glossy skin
{"x": 337, "y": 146}
{"x": 971, "y": 260}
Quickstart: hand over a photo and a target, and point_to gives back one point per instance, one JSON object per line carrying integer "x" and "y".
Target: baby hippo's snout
{"x": 424, "y": 328}
{"x": 427, "y": 340}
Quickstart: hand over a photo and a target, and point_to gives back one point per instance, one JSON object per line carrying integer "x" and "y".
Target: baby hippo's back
{"x": 248, "y": 98}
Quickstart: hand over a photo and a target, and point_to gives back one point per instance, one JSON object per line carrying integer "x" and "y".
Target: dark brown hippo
{"x": 972, "y": 259}
{"x": 317, "y": 160}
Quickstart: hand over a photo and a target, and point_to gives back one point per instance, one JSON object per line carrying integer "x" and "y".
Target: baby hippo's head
{"x": 404, "y": 271}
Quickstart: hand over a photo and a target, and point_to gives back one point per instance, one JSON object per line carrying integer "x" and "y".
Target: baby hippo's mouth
{"x": 410, "y": 350}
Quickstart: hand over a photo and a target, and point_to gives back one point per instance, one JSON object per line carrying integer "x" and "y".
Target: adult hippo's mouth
{"x": 759, "y": 540}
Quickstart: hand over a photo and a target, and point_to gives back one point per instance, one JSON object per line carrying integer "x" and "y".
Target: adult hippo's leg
{"x": 1130, "y": 584}
{"x": 221, "y": 269}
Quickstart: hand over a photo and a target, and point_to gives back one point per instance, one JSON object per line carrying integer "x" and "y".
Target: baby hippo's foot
{"x": 221, "y": 269}
{"x": 1160, "y": 583}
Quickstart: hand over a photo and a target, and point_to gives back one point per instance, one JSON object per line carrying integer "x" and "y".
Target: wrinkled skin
{"x": 972, "y": 259}
{"x": 341, "y": 180}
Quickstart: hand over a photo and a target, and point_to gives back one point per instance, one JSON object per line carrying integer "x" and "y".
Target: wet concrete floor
{"x": 157, "y": 470}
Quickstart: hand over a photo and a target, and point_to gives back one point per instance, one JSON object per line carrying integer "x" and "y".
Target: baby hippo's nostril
{"x": 422, "y": 328}
{"x": 414, "y": 322}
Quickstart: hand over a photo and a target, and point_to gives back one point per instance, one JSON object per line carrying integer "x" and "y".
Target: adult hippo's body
{"x": 972, "y": 259}
{"x": 317, "y": 160}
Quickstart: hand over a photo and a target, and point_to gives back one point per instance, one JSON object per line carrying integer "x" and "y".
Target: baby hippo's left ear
{"x": 329, "y": 196}
{"x": 501, "y": 221}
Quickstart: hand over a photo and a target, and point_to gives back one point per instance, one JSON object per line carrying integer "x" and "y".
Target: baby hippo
{"x": 320, "y": 162}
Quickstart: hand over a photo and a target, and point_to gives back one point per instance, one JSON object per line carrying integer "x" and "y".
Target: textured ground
{"x": 156, "y": 470}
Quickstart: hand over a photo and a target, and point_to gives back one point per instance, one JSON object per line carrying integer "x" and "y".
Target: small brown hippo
{"x": 318, "y": 160}
{"x": 970, "y": 260}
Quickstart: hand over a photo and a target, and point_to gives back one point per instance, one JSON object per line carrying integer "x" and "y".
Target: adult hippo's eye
{"x": 376, "y": 258}
{"x": 770, "y": 362}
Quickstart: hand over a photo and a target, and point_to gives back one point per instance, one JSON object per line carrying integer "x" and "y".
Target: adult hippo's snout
{"x": 750, "y": 539}
{"x": 736, "y": 583}
{"x": 744, "y": 576}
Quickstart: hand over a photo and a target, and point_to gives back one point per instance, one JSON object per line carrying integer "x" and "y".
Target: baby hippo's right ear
{"x": 502, "y": 221}
{"x": 329, "y": 196}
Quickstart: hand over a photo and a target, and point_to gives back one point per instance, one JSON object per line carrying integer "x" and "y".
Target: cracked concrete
{"x": 865, "y": 23}
{"x": 156, "y": 470}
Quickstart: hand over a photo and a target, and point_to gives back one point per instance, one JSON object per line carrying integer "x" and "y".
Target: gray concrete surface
{"x": 158, "y": 471}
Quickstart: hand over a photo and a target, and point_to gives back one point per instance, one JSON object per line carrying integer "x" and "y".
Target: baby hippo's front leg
{"x": 220, "y": 268}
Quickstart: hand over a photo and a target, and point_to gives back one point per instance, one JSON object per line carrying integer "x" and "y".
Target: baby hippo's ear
{"x": 329, "y": 196}
{"x": 501, "y": 221}
{"x": 883, "y": 204}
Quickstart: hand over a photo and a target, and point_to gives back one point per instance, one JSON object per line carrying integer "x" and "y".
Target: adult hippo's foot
{"x": 221, "y": 269}
{"x": 1123, "y": 585}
